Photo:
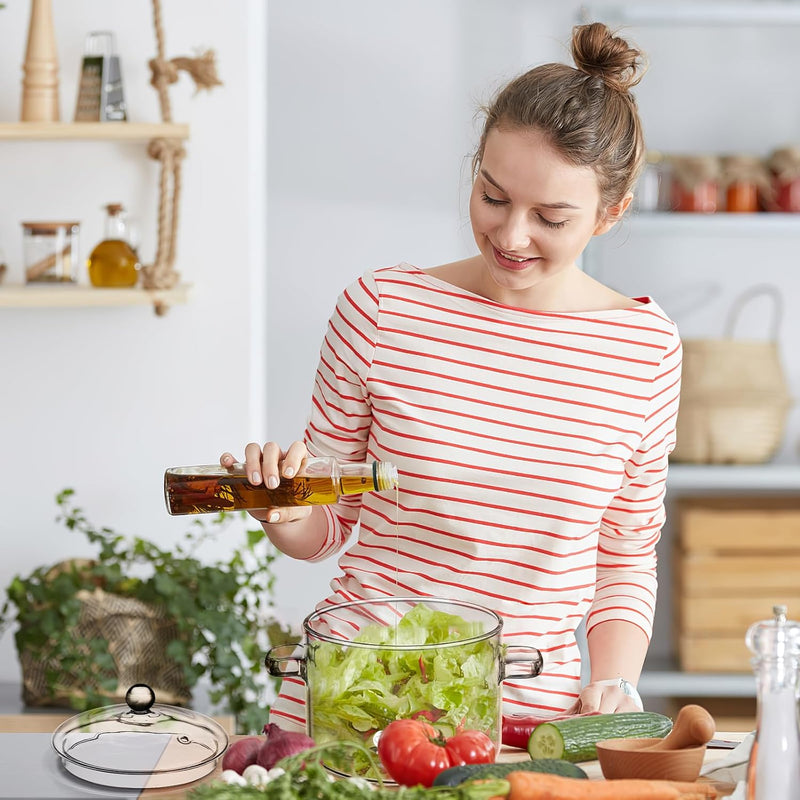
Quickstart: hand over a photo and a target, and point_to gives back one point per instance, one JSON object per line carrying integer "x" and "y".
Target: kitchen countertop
{"x": 29, "y": 755}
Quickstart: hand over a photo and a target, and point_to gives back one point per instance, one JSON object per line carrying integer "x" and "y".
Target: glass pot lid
{"x": 139, "y": 744}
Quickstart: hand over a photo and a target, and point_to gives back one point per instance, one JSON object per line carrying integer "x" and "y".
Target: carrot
{"x": 541, "y": 786}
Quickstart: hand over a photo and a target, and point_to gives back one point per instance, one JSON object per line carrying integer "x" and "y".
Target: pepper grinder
{"x": 40, "y": 81}
{"x": 773, "y": 770}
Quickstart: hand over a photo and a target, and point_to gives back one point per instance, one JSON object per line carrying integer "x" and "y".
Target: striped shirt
{"x": 532, "y": 451}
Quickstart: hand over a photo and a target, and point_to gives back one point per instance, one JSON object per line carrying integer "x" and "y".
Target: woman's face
{"x": 532, "y": 212}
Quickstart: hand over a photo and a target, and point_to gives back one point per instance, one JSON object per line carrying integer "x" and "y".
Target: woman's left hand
{"x": 607, "y": 698}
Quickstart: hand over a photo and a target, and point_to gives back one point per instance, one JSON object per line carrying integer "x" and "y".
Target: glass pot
{"x": 368, "y": 662}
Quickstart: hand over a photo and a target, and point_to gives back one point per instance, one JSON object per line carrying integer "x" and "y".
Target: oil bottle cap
{"x": 384, "y": 475}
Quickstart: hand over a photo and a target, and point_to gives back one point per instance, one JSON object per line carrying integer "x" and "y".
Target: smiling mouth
{"x": 506, "y": 259}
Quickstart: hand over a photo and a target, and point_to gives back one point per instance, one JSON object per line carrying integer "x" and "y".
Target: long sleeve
{"x": 631, "y": 527}
{"x": 341, "y": 415}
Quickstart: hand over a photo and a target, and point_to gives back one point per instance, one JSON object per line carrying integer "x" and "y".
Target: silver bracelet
{"x": 627, "y": 688}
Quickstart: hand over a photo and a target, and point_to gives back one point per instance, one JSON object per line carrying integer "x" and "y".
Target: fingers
{"x": 288, "y": 514}
{"x": 605, "y": 699}
{"x": 265, "y": 465}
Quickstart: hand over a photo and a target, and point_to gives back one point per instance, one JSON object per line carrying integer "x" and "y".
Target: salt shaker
{"x": 774, "y": 767}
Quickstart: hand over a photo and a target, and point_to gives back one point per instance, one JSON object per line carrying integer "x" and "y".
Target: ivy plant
{"x": 222, "y": 610}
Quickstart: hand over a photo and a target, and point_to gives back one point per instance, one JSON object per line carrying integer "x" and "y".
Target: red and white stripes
{"x": 532, "y": 451}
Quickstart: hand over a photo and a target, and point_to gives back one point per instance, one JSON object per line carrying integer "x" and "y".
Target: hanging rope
{"x": 169, "y": 153}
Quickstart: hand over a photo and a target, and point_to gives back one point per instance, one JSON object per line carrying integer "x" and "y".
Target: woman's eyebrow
{"x": 497, "y": 186}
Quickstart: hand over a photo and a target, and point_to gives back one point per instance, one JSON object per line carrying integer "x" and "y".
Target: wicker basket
{"x": 137, "y": 636}
{"x": 734, "y": 394}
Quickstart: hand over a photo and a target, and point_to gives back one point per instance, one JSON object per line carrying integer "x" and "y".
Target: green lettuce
{"x": 355, "y": 692}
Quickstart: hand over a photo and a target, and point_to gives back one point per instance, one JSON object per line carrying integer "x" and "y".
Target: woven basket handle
{"x": 745, "y": 297}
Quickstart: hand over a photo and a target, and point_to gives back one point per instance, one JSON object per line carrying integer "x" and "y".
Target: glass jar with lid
{"x": 745, "y": 183}
{"x": 784, "y": 166}
{"x": 695, "y": 185}
{"x": 50, "y": 250}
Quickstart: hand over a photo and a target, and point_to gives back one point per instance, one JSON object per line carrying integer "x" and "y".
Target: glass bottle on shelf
{"x": 774, "y": 767}
{"x": 114, "y": 262}
{"x": 212, "y": 488}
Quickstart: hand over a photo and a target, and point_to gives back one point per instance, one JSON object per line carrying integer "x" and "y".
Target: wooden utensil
{"x": 693, "y": 726}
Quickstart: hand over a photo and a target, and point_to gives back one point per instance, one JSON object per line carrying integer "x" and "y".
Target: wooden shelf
{"x": 674, "y": 683}
{"x": 92, "y": 131}
{"x": 71, "y": 296}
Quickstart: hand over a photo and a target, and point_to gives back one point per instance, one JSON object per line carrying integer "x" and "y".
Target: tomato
{"x": 413, "y": 752}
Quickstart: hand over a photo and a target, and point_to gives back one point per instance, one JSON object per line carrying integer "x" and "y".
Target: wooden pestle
{"x": 693, "y": 727}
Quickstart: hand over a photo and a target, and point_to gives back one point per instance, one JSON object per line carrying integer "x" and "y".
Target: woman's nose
{"x": 514, "y": 233}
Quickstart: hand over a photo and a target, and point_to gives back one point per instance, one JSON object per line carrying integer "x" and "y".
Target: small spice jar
{"x": 653, "y": 187}
{"x": 784, "y": 166}
{"x": 50, "y": 250}
{"x": 745, "y": 182}
{"x": 695, "y": 183}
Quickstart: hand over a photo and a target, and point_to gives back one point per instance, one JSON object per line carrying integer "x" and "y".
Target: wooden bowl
{"x": 630, "y": 758}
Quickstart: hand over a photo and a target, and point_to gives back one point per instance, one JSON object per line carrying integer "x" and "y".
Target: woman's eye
{"x": 492, "y": 201}
{"x": 550, "y": 224}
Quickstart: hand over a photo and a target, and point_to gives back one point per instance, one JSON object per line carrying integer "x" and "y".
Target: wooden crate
{"x": 736, "y": 557}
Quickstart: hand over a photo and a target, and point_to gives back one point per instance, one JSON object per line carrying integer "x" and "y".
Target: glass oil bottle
{"x": 212, "y": 488}
{"x": 773, "y": 770}
{"x": 114, "y": 262}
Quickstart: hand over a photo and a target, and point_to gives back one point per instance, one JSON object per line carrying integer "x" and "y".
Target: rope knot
{"x": 162, "y": 72}
{"x": 165, "y": 149}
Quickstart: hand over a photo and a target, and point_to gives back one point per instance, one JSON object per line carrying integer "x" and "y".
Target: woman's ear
{"x": 613, "y": 215}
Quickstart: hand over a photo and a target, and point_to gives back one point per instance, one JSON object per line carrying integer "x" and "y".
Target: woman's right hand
{"x": 266, "y": 465}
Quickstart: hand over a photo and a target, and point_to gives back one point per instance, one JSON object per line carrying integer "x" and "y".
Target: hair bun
{"x": 598, "y": 52}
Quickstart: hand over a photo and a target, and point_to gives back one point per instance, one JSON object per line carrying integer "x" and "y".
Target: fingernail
{"x": 272, "y": 482}
{"x": 288, "y": 472}
{"x": 274, "y": 516}
{"x": 255, "y": 478}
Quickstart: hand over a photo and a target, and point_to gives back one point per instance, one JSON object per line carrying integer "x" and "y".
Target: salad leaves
{"x": 428, "y": 667}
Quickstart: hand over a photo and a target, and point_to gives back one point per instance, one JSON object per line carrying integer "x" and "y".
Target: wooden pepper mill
{"x": 40, "y": 79}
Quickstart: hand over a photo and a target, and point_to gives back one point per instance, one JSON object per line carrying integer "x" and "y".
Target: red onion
{"x": 242, "y": 754}
{"x": 280, "y": 744}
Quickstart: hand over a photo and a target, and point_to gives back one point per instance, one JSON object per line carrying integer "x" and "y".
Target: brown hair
{"x": 587, "y": 112}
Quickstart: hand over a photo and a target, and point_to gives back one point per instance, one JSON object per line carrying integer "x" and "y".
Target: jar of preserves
{"x": 50, "y": 250}
{"x": 745, "y": 182}
{"x": 695, "y": 184}
{"x": 784, "y": 167}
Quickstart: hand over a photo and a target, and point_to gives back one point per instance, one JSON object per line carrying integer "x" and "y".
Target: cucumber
{"x": 467, "y": 772}
{"x": 575, "y": 739}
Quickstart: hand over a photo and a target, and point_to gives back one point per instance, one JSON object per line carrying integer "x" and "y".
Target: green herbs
{"x": 355, "y": 691}
{"x": 220, "y": 613}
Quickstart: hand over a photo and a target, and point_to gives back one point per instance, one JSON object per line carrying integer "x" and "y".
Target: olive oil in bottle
{"x": 114, "y": 263}
{"x": 212, "y": 488}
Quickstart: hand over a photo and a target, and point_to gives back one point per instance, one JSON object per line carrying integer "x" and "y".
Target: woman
{"x": 530, "y": 410}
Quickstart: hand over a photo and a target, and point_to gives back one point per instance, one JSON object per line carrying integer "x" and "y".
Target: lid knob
{"x": 140, "y": 697}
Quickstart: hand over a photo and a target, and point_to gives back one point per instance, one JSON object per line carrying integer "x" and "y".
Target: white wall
{"x": 102, "y": 400}
{"x": 371, "y": 124}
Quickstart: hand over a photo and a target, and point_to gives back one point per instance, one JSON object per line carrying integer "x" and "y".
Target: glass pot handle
{"x": 521, "y": 662}
{"x": 287, "y": 660}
